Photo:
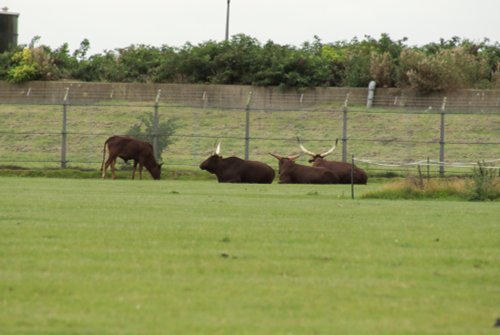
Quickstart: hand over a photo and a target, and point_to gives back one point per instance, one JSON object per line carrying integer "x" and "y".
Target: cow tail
{"x": 103, "y": 156}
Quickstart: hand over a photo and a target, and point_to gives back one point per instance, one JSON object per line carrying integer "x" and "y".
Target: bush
{"x": 485, "y": 184}
{"x": 447, "y": 65}
{"x": 383, "y": 69}
{"x": 449, "y": 69}
{"x": 24, "y": 68}
{"x": 496, "y": 77}
{"x": 145, "y": 131}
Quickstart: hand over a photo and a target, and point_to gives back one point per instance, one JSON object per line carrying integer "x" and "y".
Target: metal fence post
{"x": 344, "y": 129}
{"x": 247, "y": 125}
{"x": 441, "y": 139}
{"x": 64, "y": 133}
{"x": 155, "y": 126}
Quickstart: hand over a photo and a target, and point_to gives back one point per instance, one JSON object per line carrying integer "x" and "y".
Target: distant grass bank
{"x": 30, "y": 135}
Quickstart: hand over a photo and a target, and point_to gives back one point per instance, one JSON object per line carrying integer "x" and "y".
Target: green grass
{"x": 197, "y": 257}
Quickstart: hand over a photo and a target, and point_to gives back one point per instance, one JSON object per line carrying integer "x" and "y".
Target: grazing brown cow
{"x": 293, "y": 173}
{"x": 130, "y": 148}
{"x": 342, "y": 169}
{"x": 237, "y": 170}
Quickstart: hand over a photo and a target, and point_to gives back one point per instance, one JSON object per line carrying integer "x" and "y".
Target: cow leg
{"x": 113, "y": 163}
{"x": 135, "y": 168}
{"x": 140, "y": 170}
{"x": 285, "y": 180}
{"x": 109, "y": 161}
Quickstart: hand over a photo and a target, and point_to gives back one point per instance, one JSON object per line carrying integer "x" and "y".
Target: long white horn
{"x": 326, "y": 153}
{"x": 304, "y": 149}
{"x": 294, "y": 157}
{"x": 278, "y": 157}
{"x": 217, "y": 148}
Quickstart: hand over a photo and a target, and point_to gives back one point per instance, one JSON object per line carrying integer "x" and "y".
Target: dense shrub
{"x": 144, "y": 130}
{"x": 449, "y": 69}
{"x": 383, "y": 69}
{"x": 24, "y": 67}
{"x": 446, "y": 65}
{"x": 495, "y": 78}
{"x": 485, "y": 183}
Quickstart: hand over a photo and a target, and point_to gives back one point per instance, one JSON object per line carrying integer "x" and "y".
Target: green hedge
{"x": 446, "y": 65}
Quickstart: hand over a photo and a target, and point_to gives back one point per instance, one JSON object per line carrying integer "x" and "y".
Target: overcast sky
{"x": 110, "y": 24}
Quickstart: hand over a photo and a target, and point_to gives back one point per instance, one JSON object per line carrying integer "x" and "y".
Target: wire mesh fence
{"x": 61, "y": 129}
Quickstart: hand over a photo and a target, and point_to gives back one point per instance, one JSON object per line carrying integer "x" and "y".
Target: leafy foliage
{"x": 145, "y": 131}
{"x": 24, "y": 68}
{"x": 446, "y": 65}
{"x": 485, "y": 183}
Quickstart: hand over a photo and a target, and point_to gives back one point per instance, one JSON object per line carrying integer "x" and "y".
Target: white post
{"x": 371, "y": 94}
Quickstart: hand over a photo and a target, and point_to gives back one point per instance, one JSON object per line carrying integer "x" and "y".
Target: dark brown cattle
{"x": 237, "y": 170}
{"x": 130, "y": 148}
{"x": 342, "y": 169}
{"x": 293, "y": 173}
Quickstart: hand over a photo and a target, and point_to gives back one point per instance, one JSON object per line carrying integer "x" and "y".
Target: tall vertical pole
{"x": 247, "y": 126}
{"x": 64, "y": 132}
{"x": 344, "y": 129}
{"x": 155, "y": 126}
{"x": 441, "y": 139}
{"x": 227, "y": 20}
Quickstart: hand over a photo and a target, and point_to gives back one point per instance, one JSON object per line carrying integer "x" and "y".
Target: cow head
{"x": 210, "y": 164}
{"x": 155, "y": 171}
{"x": 285, "y": 163}
{"x": 314, "y": 156}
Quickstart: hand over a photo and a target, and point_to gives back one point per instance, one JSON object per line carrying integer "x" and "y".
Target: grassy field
{"x": 30, "y": 135}
{"x": 197, "y": 257}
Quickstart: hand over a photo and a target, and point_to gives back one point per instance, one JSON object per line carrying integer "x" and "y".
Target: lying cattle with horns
{"x": 237, "y": 170}
{"x": 293, "y": 173}
{"x": 342, "y": 169}
{"x": 130, "y": 148}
